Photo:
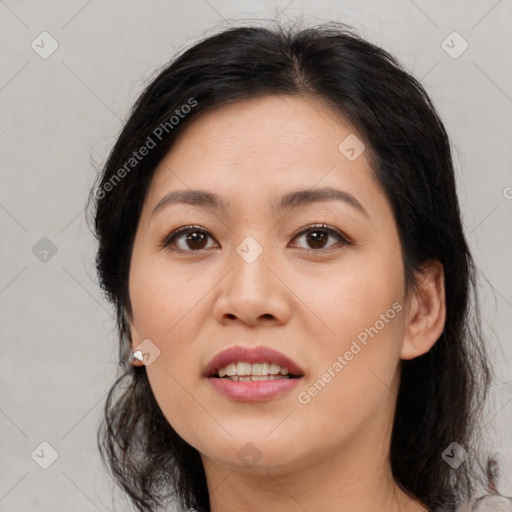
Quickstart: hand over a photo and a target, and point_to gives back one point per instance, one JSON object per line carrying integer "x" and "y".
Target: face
{"x": 319, "y": 279}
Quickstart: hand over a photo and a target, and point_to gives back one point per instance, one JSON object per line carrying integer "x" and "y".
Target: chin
{"x": 254, "y": 454}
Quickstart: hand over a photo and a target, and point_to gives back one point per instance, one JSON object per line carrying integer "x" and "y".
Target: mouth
{"x": 257, "y": 363}
{"x": 252, "y": 374}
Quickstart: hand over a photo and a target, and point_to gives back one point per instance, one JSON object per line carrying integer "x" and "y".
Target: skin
{"x": 331, "y": 454}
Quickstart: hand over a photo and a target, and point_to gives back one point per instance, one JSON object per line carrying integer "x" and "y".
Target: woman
{"x": 280, "y": 235}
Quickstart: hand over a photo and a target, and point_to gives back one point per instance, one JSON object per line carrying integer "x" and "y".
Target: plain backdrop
{"x": 60, "y": 115}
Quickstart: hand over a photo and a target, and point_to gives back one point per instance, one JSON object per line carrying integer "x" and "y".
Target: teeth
{"x": 247, "y": 378}
{"x": 260, "y": 368}
{"x": 243, "y": 368}
{"x": 230, "y": 369}
{"x": 255, "y": 371}
{"x": 274, "y": 368}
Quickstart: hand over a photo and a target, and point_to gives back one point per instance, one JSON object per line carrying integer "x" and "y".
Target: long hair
{"x": 441, "y": 392}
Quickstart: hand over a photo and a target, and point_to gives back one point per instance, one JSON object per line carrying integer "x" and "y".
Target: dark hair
{"x": 441, "y": 392}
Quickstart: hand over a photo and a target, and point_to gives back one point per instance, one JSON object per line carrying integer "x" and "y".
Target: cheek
{"x": 360, "y": 326}
{"x": 349, "y": 299}
{"x": 354, "y": 377}
{"x": 168, "y": 310}
{"x": 161, "y": 296}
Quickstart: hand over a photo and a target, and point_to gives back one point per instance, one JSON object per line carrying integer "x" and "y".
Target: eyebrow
{"x": 291, "y": 200}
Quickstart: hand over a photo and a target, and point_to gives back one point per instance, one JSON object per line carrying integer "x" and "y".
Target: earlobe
{"x": 426, "y": 312}
{"x": 134, "y": 340}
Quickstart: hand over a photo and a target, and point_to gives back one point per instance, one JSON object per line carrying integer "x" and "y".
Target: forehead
{"x": 265, "y": 147}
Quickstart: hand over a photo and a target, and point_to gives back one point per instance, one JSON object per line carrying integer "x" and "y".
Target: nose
{"x": 253, "y": 292}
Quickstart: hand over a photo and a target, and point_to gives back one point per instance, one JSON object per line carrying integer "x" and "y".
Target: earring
{"x": 137, "y": 355}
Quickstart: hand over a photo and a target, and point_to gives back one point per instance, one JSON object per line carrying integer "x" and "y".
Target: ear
{"x": 134, "y": 341}
{"x": 425, "y": 312}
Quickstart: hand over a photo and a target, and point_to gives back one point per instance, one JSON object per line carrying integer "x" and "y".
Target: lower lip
{"x": 252, "y": 391}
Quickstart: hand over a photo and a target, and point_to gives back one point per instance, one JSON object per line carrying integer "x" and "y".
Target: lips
{"x": 251, "y": 355}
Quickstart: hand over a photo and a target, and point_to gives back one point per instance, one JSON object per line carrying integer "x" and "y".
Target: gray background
{"x": 59, "y": 117}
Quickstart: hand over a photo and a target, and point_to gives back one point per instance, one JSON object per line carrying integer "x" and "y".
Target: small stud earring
{"x": 137, "y": 355}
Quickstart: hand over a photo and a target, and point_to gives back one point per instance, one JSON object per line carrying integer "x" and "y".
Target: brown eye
{"x": 317, "y": 237}
{"x": 195, "y": 238}
{"x": 188, "y": 239}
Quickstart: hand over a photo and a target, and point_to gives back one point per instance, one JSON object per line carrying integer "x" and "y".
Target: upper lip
{"x": 250, "y": 355}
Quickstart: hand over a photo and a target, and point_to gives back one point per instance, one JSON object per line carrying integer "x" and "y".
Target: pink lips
{"x": 252, "y": 390}
{"x": 250, "y": 355}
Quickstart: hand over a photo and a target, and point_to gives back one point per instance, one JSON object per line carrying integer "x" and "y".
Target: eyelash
{"x": 169, "y": 239}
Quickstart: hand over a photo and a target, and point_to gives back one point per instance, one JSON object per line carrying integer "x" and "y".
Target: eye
{"x": 196, "y": 238}
{"x": 194, "y": 241}
{"x": 318, "y": 235}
